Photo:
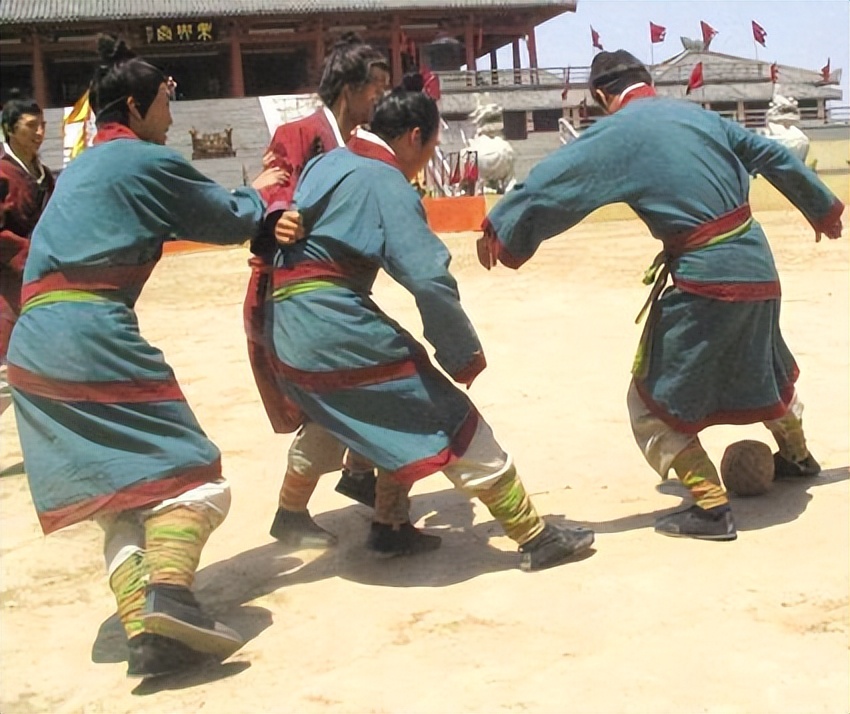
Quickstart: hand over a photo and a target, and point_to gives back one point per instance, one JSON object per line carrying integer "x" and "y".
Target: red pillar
{"x": 39, "y": 78}
{"x": 395, "y": 50}
{"x": 532, "y": 54}
{"x": 319, "y": 50}
{"x": 469, "y": 41}
{"x": 237, "y": 77}
{"x": 517, "y": 62}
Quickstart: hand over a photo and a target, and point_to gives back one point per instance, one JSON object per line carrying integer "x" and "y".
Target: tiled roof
{"x": 46, "y": 11}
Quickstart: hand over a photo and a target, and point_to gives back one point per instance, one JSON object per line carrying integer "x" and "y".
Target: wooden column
{"x": 532, "y": 54}
{"x": 517, "y": 61}
{"x": 237, "y": 76}
{"x": 319, "y": 51}
{"x": 469, "y": 42}
{"x": 494, "y": 67}
{"x": 39, "y": 76}
{"x": 395, "y": 50}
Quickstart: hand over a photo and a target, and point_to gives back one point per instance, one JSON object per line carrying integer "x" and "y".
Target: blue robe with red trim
{"x": 715, "y": 351}
{"x": 349, "y": 366}
{"x": 103, "y": 424}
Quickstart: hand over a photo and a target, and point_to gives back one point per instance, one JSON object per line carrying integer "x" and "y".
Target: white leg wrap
{"x": 660, "y": 443}
{"x": 483, "y": 462}
{"x": 124, "y": 535}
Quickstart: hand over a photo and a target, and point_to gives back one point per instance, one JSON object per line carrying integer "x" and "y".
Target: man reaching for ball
{"x": 712, "y": 351}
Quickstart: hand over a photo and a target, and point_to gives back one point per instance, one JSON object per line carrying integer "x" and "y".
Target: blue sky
{"x": 802, "y": 33}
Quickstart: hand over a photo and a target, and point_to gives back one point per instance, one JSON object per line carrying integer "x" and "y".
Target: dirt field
{"x": 644, "y": 624}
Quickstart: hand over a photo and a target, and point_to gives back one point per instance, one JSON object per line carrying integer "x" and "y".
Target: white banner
{"x": 283, "y": 108}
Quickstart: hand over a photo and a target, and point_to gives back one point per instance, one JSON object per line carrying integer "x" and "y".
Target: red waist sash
{"x": 307, "y": 270}
{"x": 700, "y": 236}
{"x": 91, "y": 278}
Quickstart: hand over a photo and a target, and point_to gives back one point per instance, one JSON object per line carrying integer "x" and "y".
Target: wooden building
{"x": 236, "y": 48}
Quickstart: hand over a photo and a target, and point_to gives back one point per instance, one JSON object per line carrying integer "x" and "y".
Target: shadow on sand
{"x": 13, "y": 470}
{"x": 784, "y": 502}
{"x": 224, "y": 587}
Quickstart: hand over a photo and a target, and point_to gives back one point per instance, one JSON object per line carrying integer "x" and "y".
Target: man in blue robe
{"x": 712, "y": 351}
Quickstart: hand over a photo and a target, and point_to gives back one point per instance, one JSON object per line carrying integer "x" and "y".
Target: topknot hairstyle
{"x": 413, "y": 82}
{"x": 612, "y": 72}
{"x": 121, "y": 74}
{"x": 402, "y": 110}
{"x": 349, "y": 62}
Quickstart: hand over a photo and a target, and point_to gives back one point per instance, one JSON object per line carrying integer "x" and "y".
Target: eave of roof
{"x": 17, "y": 12}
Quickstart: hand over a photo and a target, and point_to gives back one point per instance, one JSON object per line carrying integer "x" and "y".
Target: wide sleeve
{"x": 418, "y": 260}
{"x": 287, "y": 154}
{"x": 197, "y": 208}
{"x": 790, "y": 176}
{"x": 13, "y": 251}
{"x": 560, "y": 191}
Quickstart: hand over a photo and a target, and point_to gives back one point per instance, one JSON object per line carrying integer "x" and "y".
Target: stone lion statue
{"x": 495, "y": 154}
{"x": 783, "y": 125}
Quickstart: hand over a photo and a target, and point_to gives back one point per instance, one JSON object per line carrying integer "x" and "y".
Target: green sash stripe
{"x": 288, "y": 291}
{"x": 55, "y": 296}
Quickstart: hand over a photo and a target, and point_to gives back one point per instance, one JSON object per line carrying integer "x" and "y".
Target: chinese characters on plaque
{"x": 176, "y": 32}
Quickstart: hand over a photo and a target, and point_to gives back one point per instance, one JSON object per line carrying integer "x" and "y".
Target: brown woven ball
{"x": 747, "y": 468}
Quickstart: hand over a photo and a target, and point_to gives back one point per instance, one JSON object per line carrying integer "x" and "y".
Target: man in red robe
{"x": 27, "y": 186}
{"x": 355, "y": 76}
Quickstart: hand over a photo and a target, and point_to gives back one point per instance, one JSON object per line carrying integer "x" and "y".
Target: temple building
{"x": 226, "y": 49}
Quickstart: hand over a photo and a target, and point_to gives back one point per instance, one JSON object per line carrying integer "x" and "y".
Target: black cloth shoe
{"x": 172, "y": 611}
{"x": 358, "y": 486}
{"x": 154, "y": 656}
{"x": 785, "y": 469}
{"x": 553, "y": 545}
{"x": 298, "y": 530}
{"x": 388, "y": 542}
{"x": 695, "y": 522}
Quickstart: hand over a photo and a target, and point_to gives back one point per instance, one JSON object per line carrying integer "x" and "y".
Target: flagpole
{"x": 651, "y": 52}
{"x": 756, "y": 48}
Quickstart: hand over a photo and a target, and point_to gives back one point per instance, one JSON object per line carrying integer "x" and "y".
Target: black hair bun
{"x": 112, "y": 50}
{"x": 348, "y": 38}
{"x": 412, "y": 82}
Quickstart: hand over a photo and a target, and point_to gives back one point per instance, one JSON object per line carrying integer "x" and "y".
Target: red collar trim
{"x": 371, "y": 150}
{"x": 638, "y": 93}
{"x": 111, "y": 131}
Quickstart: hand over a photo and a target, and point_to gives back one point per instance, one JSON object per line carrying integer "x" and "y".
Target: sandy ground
{"x": 644, "y": 624}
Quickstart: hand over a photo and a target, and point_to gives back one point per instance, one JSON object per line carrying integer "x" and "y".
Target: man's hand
{"x": 288, "y": 228}
{"x": 475, "y": 367}
{"x": 270, "y": 177}
{"x": 488, "y": 250}
{"x": 832, "y": 232}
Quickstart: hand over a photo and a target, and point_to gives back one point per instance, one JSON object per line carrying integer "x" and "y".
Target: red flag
{"x": 594, "y": 37}
{"x": 759, "y": 34}
{"x": 470, "y": 170}
{"x": 454, "y": 178}
{"x": 824, "y": 71}
{"x": 657, "y": 33}
{"x": 695, "y": 80}
{"x": 708, "y": 33}
{"x": 430, "y": 84}
{"x": 774, "y": 73}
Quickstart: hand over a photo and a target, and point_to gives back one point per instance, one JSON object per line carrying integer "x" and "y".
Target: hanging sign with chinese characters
{"x": 164, "y": 33}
